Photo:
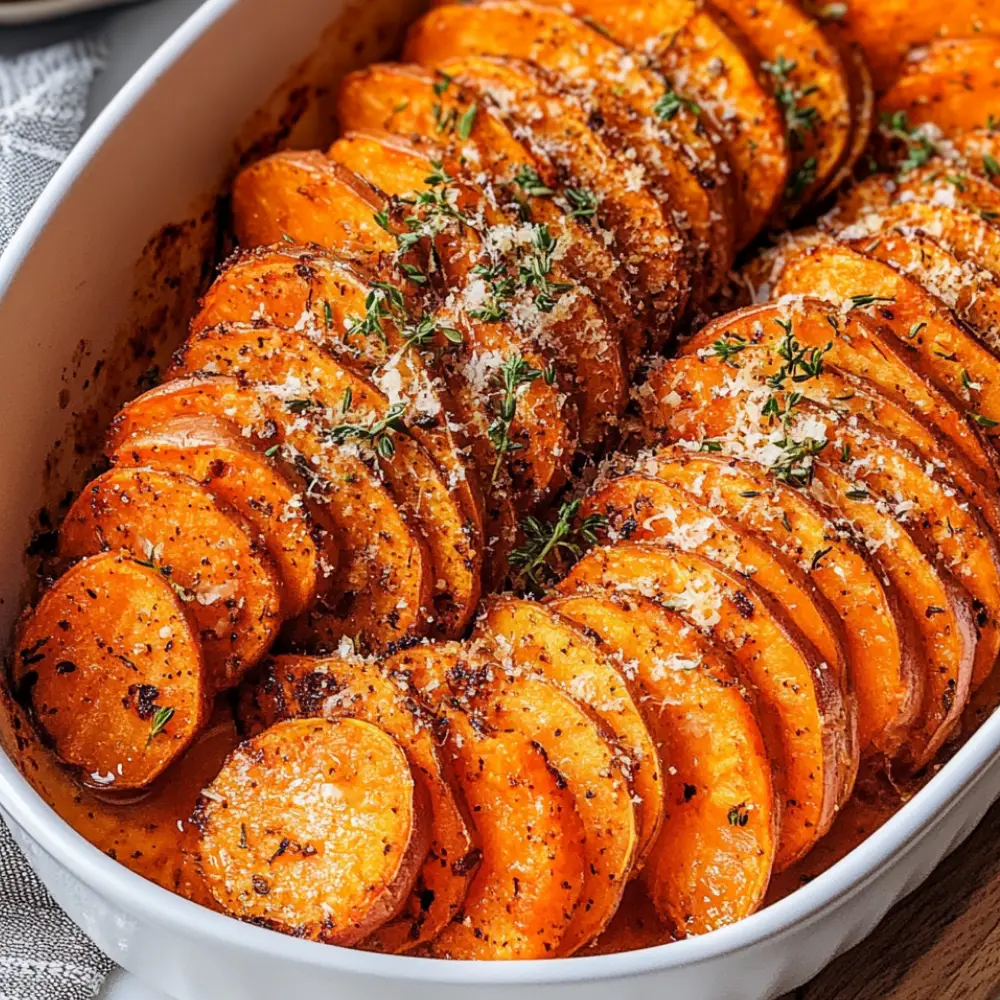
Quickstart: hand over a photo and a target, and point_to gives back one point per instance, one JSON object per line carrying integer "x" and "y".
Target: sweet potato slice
{"x": 591, "y": 765}
{"x": 954, "y": 85}
{"x": 525, "y": 820}
{"x": 719, "y": 70}
{"x": 867, "y": 464}
{"x": 813, "y": 768}
{"x": 636, "y": 925}
{"x": 382, "y": 588}
{"x": 110, "y": 672}
{"x": 344, "y": 409}
{"x": 553, "y": 124}
{"x": 856, "y": 345}
{"x": 226, "y": 584}
{"x": 293, "y": 196}
{"x": 339, "y": 687}
{"x": 936, "y": 344}
{"x": 410, "y": 100}
{"x": 312, "y": 289}
{"x": 712, "y": 860}
{"x": 562, "y": 314}
{"x": 887, "y": 31}
{"x": 316, "y": 828}
{"x": 543, "y": 429}
{"x": 241, "y": 479}
{"x": 532, "y": 638}
{"x": 670, "y": 142}
{"x": 880, "y": 633}
{"x": 640, "y": 508}
{"x": 810, "y": 84}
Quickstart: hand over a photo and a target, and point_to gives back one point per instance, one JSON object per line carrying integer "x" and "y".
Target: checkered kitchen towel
{"x": 43, "y": 97}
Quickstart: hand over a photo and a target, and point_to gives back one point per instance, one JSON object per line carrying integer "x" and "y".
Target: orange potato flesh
{"x": 315, "y": 828}
{"x": 110, "y": 672}
{"x": 553, "y": 124}
{"x": 674, "y": 148}
{"x": 336, "y": 687}
{"x": 281, "y": 285}
{"x": 710, "y": 866}
{"x": 587, "y": 351}
{"x": 381, "y": 591}
{"x": 701, "y": 50}
{"x": 860, "y": 347}
{"x": 813, "y": 769}
{"x": 575, "y": 746}
{"x": 806, "y": 65}
{"x": 228, "y": 588}
{"x": 404, "y": 99}
{"x": 936, "y": 344}
{"x": 525, "y": 820}
{"x": 640, "y": 508}
{"x": 337, "y": 396}
{"x": 241, "y": 479}
{"x": 880, "y": 632}
{"x": 955, "y": 85}
{"x": 530, "y": 637}
{"x": 636, "y": 925}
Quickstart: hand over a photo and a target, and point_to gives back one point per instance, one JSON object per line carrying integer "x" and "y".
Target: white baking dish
{"x": 72, "y": 293}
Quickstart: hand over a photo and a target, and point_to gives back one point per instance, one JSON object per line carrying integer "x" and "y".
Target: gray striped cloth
{"x": 43, "y": 98}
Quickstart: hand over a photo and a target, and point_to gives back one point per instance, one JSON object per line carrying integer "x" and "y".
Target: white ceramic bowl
{"x": 68, "y": 286}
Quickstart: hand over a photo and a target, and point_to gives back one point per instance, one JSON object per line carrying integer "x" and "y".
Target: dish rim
{"x": 135, "y": 895}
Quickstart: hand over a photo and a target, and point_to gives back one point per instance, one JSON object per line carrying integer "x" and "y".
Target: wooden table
{"x": 940, "y": 943}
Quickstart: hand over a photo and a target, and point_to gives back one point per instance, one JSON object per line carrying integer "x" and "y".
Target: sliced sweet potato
{"x": 935, "y": 343}
{"x": 868, "y": 464}
{"x": 813, "y": 768}
{"x": 810, "y": 84}
{"x": 339, "y": 687}
{"x": 634, "y": 107}
{"x": 552, "y": 123}
{"x": 545, "y": 304}
{"x": 316, "y": 828}
{"x": 710, "y": 60}
{"x": 225, "y": 582}
{"x": 636, "y": 925}
{"x": 110, "y": 672}
{"x": 970, "y": 291}
{"x": 712, "y": 860}
{"x": 293, "y": 196}
{"x": 856, "y": 345}
{"x": 590, "y": 764}
{"x": 696, "y": 380}
{"x": 976, "y": 151}
{"x": 543, "y": 430}
{"x": 410, "y": 100}
{"x": 347, "y": 413}
{"x": 880, "y": 632}
{"x": 887, "y": 31}
{"x": 641, "y": 508}
{"x": 312, "y": 289}
{"x": 954, "y": 85}
{"x": 528, "y": 883}
{"x": 532, "y": 638}
{"x": 240, "y": 478}
{"x": 382, "y": 588}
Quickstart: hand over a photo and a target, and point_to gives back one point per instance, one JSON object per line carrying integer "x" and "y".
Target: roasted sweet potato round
{"x": 110, "y": 671}
{"x": 720, "y": 814}
{"x": 227, "y": 584}
{"x": 315, "y": 827}
{"x": 342, "y": 687}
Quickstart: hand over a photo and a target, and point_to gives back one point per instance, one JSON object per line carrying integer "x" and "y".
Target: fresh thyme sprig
{"x": 535, "y": 269}
{"x": 384, "y": 301}
{"x": 919, "y": 149}
{"x": 582, "y": 202}
{"x": 800, "y": 181}
{"x": 799, "y": 117}
{"x": 670, "y": 103}
{"x": 562, "y": 538}
{"x": 531, "y": 184}
{"x": 377, "y": 435}
{"x": 160, "y": 719}
{"x": 501, "y": 290}
{"x": 800, "y": 363}
{"x": 513, "y": 375}
{"x": 728, "y": 346}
